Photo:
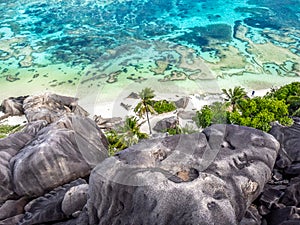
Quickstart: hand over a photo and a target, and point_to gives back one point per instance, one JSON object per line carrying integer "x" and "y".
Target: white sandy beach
{"x": 113, "y": 108}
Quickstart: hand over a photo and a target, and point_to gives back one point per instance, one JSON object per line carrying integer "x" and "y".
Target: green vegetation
{"x": 145, "y": 106}
{"x": 212, "y": 114}
{"x": 289, "y": 93}
{"x": 259, "y": 112}
{"x": 181, "y": 130}
{"x": 163, "y": 106}
{"x": 5, "y": 130}
{"x": 125, "y": 136}
{"x": 148, "y": 105}
{"x": 234, "y": 96}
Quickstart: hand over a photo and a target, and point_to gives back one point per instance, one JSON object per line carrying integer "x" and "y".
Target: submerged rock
{"x": 205, "y": 178}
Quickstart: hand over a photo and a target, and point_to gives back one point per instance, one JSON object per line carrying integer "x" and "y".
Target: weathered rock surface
{"x": 75, "y": 199}
{"x": 108, "y": 123}
{"x": 57, "y": 146}
{"x": 204, "y": 178}
{"x": 48, "y": 208}
{"x": 182, "y": 102}
{"x": 186, "y": 115}
{"x": 289, "y": 140}
{"x": 166, "y": 123}
{"x": 61, "y": 152}
{"x": 51, "y": 107}
{"x": 13, "y": 106}
{"x": 12, "y": 208}
{"x": 281, "y": 196}
{"x": 9, "y": 147}
{"x": 12, "y": 220}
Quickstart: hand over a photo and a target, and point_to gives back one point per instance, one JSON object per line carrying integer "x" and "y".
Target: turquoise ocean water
{"x": 69, "y": 45}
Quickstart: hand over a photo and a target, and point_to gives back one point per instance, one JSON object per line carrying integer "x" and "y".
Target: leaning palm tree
{"x": 234, "y": 96}
{"x": 125, "y": 136}
{"x": 145, "y": 106}
{"x": 130, "y": 133}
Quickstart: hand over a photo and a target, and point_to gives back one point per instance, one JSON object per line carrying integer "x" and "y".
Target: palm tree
{"x": 125, "y": 136}
{"x": 234, "y": 96}
{"x": 145, "y": 106}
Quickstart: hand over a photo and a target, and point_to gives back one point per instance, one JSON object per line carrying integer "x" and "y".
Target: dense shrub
{"x": 289, "y": 93}
{"x": 212, "y": 114}
{"x": 163, "y": 106}
{"x": 259, "y": 112}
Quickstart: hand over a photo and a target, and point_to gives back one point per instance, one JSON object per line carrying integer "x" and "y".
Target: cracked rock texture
{"x": 204, "y": 178}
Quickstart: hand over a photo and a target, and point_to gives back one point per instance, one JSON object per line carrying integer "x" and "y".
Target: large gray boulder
{"x": 49, "y": 207}
{"x": 204, "y": 178}
{"x": 166, "y": 123}
{"x": 51, "y": 107}
{"x": 289, "y": 139}
{"x": 182, "y": 102}
{"x": 61, "y": 152}
{"x": 9, "y": 147}
{"x": 13, "y": 106}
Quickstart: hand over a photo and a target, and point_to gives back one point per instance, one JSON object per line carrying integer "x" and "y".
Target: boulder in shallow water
{"x": 204, "y": 178}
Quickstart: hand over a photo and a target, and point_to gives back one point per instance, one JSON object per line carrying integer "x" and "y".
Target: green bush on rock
{"x": 5, "y": 130}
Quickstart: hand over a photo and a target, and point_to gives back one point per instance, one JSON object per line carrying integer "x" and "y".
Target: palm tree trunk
{"x": 150, "y": 131}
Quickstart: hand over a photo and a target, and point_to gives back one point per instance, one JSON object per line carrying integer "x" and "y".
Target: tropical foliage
{"x": 181, "y": 130}
{"x": 145, "y": 106}
{"x": 125, "y": 136}
{"x": 234, "y": 96}
{"x": 5, "y": 130}
{"x": 289, "y": 93}
{"x": 259, "y": 112}
{"x": 212, "y": 114}
{"x": 163, "y": 106}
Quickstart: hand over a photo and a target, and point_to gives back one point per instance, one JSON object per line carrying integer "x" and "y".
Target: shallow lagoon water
{"x": 93, "y": 47}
